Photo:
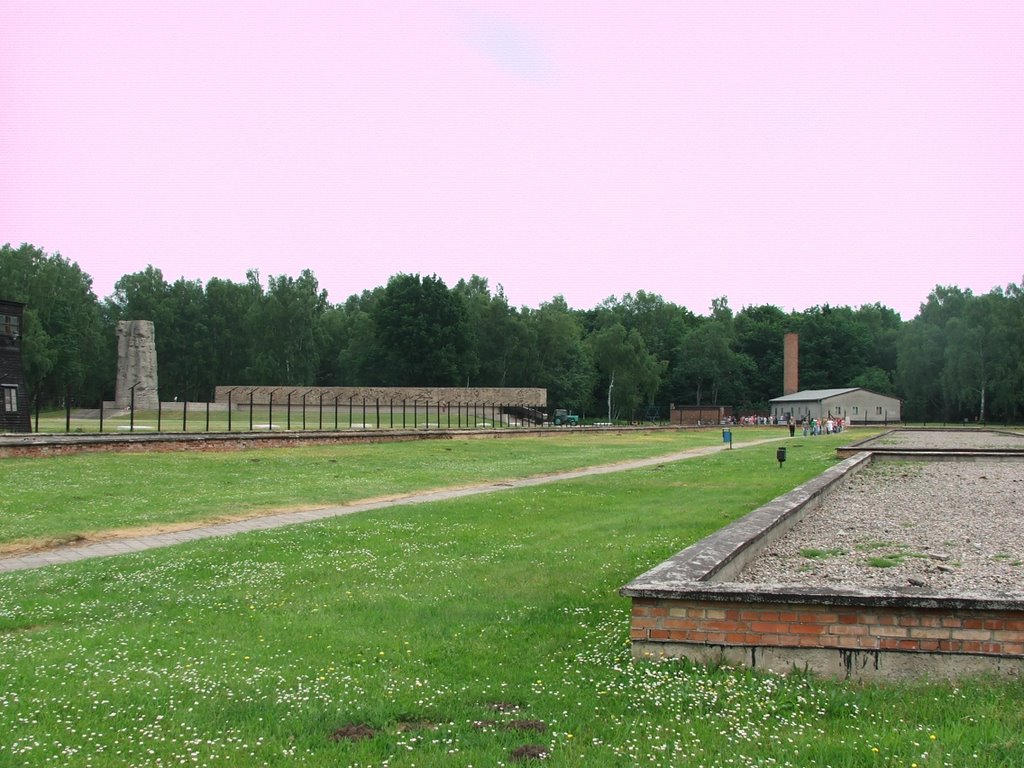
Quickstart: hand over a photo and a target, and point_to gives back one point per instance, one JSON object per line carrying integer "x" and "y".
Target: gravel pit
{"x": 947, "y": 527}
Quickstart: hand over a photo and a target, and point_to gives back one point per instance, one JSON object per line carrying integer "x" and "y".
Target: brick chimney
{"x": 790, "y": 364}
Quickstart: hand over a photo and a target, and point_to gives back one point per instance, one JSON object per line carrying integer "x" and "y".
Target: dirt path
{"x": 110, "y": 543}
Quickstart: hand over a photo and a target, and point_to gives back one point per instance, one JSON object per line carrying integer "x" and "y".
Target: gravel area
{"x": 949, "y": 439}
{"x": 951, "y": 527}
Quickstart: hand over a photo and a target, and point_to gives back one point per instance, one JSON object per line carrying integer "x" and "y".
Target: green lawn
{"x": 56, "y": 499}
{"x": 450, "y": 634}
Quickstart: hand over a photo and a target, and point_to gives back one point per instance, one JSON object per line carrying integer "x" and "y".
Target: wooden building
{"x": 14, "y": 408}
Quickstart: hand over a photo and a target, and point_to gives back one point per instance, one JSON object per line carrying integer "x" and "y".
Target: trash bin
{"x": 780, "y": 456}
{"x": 726, "y": 435}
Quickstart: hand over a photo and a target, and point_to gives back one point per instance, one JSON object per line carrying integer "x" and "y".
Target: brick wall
{"x": 997, "y": 633}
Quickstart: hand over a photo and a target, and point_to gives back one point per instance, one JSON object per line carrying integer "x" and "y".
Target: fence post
{"x": 67, "y": 410}
{"x": 303, "y": 411}
{"x": 184, "y": 415}
{"x": 159, "y": 412}
{"x": 101, "y": 416}
{"x": 377, "y": 404}
{"x": 321, "y": 411}
{"x": 350, "y": 411}
{"x": 288, "y": 412}
{"x": 207, "y": 415}
{"x": 364, "y": 413}
{"x": 403, "y": 413}
{"x": 250, "y": 409}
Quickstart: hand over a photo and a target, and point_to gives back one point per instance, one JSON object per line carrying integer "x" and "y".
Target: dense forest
{"x": 961, "y": 357}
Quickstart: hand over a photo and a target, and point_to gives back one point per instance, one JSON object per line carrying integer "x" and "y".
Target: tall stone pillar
{"x": 790, "y": 364}
{"x": 136, "y": 365}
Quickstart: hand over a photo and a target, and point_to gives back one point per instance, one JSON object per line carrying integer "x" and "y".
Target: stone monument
{"x": 136, "y": 365}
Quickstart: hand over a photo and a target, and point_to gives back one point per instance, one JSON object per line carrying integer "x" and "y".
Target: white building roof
{"x": 813, "y": 395}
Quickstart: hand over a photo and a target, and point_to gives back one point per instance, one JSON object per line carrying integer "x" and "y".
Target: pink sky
{"x": 787, "y": 153}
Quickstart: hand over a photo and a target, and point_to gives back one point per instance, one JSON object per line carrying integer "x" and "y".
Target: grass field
{"x": 52, "y": 500}
{"x": 465, "y": 633}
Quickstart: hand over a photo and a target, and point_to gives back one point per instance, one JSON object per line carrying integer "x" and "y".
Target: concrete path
{"x": 74, "y": 553}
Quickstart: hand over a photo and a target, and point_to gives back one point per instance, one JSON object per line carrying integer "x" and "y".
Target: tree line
{"x": 961, "y": 357}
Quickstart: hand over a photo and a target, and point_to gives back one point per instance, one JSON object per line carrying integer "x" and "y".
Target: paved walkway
{"x": 74, "y": 553}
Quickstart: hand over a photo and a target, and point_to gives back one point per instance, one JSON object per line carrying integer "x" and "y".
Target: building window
{"x": 878, "y": 410}
{"x": 10, "y": 325}
{"x": 10, "y": 399}
{"x": 856, "y": 410}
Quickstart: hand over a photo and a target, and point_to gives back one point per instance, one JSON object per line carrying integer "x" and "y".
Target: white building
{"x": 853, "y": 405}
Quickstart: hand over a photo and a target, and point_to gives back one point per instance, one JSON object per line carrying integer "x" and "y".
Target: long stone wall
{"x": 527, "y": 397}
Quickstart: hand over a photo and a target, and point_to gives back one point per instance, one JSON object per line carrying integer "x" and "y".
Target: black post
{"x": 101, "y": 416}
{"x": 67, "y": 410}
{"x": 37, "y": 412}
{"x": 336, "y": 412}
{"x": 364, "y": 413}
{"x": 391, "y": 407}
{"x": 378, "y": 413}
{"x": 131, "y": 409}
{"x": 303, "y": 411}
{"x": 229, "y": 409}
{"x": 321, "y": 411}
{"x": 184, "y": 415}
{"x": 448, "y": 410}
{"x": 207, "y": 415}
{"x": 403, "y": 413}
{"x": 270, "y": 412}
{"x": 288, "y": 413}
{"x": 250, "y": 409}
{"x": 159, "y": 412}
{"x": 426, "y": 415}
{"x": 350, "y": 411}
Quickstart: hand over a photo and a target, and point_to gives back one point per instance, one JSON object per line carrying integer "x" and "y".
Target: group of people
{"x": 827, "y": 426}
{"x": 757, "y": 421}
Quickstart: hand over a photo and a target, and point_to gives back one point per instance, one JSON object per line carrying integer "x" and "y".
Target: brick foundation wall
{"x": 908, "y": 629}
